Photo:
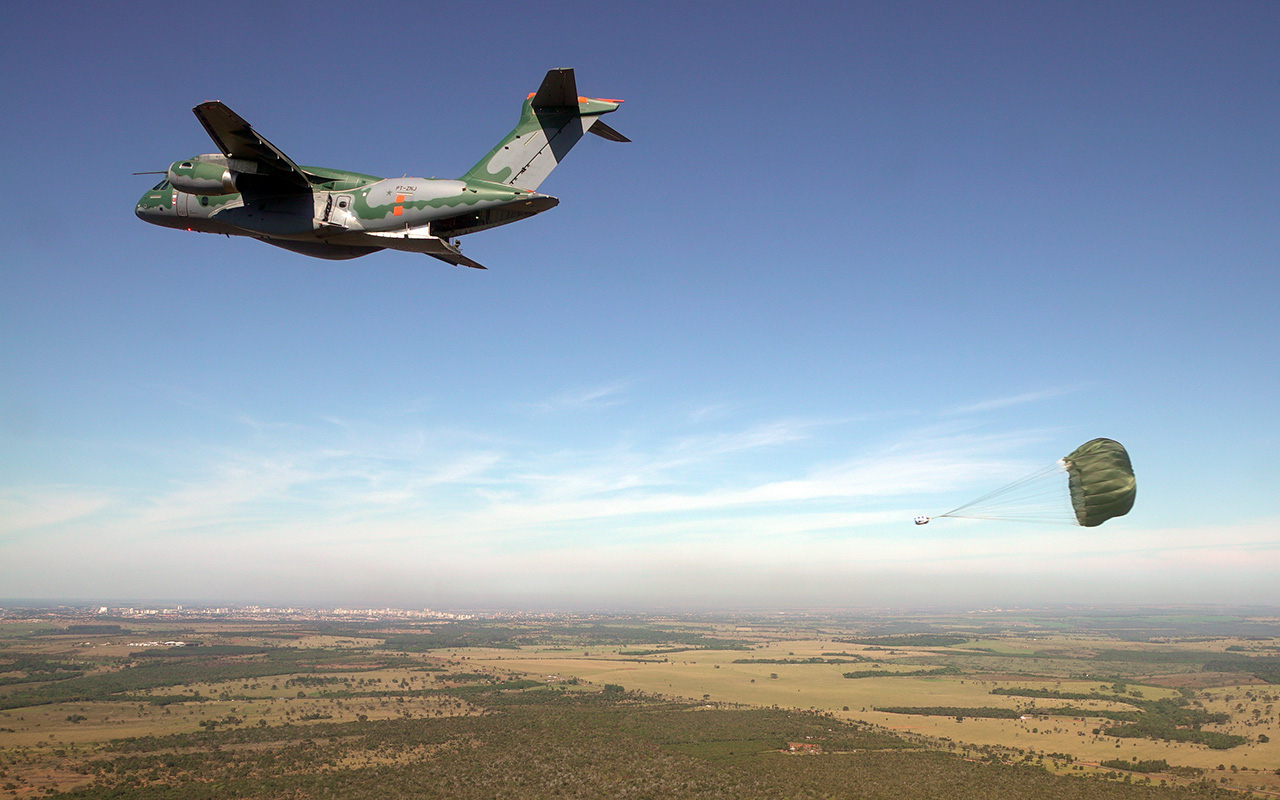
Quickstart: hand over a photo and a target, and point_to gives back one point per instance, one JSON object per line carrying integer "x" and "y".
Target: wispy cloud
{"x": 41, "y": 507}
{"x": 384, "y": 503}
{"x": 1024, "y": 398}
{"x": 595, "y": 397}
{"x": 495, "y": 488}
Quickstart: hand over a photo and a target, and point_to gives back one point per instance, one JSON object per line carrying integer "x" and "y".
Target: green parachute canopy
{"x": 1087, "y": 487}
{"x": 1101, "y": 480}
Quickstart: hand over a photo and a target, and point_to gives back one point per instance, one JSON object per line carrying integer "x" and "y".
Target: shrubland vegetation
{"x": 541, "y": 742}
{"x": 433, "y": 711}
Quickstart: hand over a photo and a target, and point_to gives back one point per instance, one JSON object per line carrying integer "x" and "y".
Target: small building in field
{"x": 803, "y": 747}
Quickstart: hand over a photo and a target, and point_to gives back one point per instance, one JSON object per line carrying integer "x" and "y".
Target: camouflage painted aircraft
{"x": 251, "y": 188}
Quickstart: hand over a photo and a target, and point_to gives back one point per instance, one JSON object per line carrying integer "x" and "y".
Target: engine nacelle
{"x": 202, "y": 175}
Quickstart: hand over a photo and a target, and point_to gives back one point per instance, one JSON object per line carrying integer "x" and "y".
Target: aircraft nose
{"x": 149, "y": 206}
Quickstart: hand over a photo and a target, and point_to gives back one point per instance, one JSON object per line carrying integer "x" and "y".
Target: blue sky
{"x": 860, "y": 262}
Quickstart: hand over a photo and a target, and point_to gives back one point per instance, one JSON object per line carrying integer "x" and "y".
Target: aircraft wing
{"x": 237, "y": 139}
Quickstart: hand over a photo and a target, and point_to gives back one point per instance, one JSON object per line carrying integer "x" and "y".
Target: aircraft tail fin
{"x": 552, "y": 121}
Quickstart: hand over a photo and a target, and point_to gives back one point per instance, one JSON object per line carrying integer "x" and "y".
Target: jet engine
{"x": 207, "y": 175}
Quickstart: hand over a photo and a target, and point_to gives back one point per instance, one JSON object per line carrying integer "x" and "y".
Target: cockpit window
{"x": 162, "y": 185}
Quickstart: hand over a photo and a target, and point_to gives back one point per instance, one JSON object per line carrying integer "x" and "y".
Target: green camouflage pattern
{"x": 253, "y": 189}
{"x": 528, "y": 154}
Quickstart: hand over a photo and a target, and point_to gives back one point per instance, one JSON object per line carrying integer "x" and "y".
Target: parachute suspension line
{"x": 1007, "y": 488}
{"x": 1086, "y": 487}
{"x": 1029, "y": 517}
{"x": 1039, "y": 497}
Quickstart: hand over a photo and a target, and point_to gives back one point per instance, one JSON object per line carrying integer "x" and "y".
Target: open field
{"x": 1079, "y": 663}
{"x": 88, "y": 707}
{"x": 714, "y": 675}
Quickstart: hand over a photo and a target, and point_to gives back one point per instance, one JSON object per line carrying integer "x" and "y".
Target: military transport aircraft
{"x": 251, "y": 188}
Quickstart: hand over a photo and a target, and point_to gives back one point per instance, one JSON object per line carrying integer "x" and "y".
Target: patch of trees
{"x": 166, "y": 699}
{"x": 1155, "y": 656}
{"x": 983, "y": 712}
{"x": 300, "y": 630}
{"x": 910, "y": 640}
{"x": 1170, "y": 718}
{"x": 34, "y": 668}
{"x": 468, "y": 677}
{"x": 483, "y": 633}
{"x": 915, "y": 673}
{"x": 1265, "y": 668}
{"x": 658, "y": 651}
{"x": 602, "y": 634}
{"x": 451, "y": 637}
{"x": 315, "y": 680}
{"x": 163, "y": 672}
{"x": 95, "y": 629}
{"x": 572, "y": 745}
{"x": 813, "y": 660}
{"x": 1162, "y": 728}
{"x": 197, "y": 650}
{"x": 1054, "y": 694}
{"x": 1155, "y": 765}
{"x": 1073, "y": 711}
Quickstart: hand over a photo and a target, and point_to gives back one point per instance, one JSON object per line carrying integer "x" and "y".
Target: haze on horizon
{"x": 877, "y": 261}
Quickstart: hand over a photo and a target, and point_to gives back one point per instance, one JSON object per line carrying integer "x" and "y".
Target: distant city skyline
{"x": 15, "y": 610}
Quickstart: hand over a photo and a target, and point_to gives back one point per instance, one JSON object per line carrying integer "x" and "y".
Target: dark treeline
{"x": 1155, "y": 727}
{"x": 1171, "y": 718}
{"x": 982, "y": 712}
{"x": 489, "y": 634}
{"x": 19, "y": 668}
{"x": 993, "y": 712}
{"x": 1265, "y": 668}
{"x": 813, "y": 660}
{"x": 95, "y": 629}
{"x": 915, "y": 673}
{"x": 196, "y": 650}
{"x": 1156, "y": 656}
{"x": 1156, "y": 765}
{"x": 1054, "y": 694}
{"x": 130, "y": 678}
{"x": 909, "y": 640}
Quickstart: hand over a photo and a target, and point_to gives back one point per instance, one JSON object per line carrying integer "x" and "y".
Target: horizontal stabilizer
{"x": 605, "y": 132}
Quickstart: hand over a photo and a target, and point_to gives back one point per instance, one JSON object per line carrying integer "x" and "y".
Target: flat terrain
{"x": 91, "y": 705}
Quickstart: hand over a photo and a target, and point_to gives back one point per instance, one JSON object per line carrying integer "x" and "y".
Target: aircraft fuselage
{"x": 348, "y": 215}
